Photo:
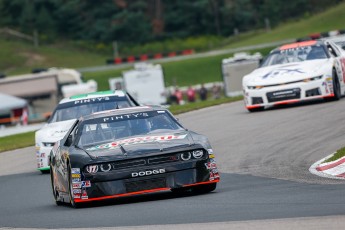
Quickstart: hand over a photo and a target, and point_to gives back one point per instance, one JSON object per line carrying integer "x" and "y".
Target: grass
{"x": 183, "y": 73}
{"x": 17, "y": 141}
{"x": 339, "y": 154}
{"x": 331, "y": 19}
{"x": 18, "y": 57}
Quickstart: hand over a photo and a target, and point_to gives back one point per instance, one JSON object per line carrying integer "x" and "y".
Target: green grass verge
{"x": 17, "y": 141}
{"x": 339, "y": 154}
{"x": 331, "y": 19}
{"x": 28, "y": 139}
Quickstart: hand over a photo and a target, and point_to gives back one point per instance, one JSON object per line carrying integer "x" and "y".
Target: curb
{"x": 334, "y": 169}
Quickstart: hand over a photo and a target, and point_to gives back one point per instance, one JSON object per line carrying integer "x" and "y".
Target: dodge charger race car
{"x": 130, "y": 151}
{"x": 70, "y": 108}
{"x": 296, "y": 72}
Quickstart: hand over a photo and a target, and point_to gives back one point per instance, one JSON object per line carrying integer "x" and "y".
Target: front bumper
{"x": 42, "y": 156}
{"x": 106, "y": 186}
{"x": 288, "y": 93}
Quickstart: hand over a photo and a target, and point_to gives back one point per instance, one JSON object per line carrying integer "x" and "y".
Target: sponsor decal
{"x": 279, "y": 72}
{"x": 84, "y": 195}
{"x": 92, "y": 168}
{"x": 76, "y": 185}
{"x": 86, "y": 184}
{"x": 148, "y": 172}
{"x": 126, "y": 116}
{"x": 211, "y": 165}
{"x": 211, "y": 156}
{"x": 137, "y": 140}
{"x": 75, "y": 175}
{"x": 76, "y": 180}
{"x": 43, "y": 155}
{"x": 76, "y": 196}
{"x": 211, "y": 176}
{"x": 91, "y": 100}
{"x": 324, "y": 84}
{"x": 75, "y": 170}
{"x": 76, "y": 191}
{"x": 210, "y": 151}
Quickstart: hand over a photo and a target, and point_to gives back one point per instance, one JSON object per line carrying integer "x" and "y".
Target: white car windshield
{"x": 108, "y": 129}
{"x": 298, "y": 54}
{"x": 71, "y": 110}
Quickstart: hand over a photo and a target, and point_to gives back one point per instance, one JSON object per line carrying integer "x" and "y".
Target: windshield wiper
{"x": 123, "y": 150}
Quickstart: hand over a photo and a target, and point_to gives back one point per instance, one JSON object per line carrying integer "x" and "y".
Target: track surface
{"x": 252, "y": 150}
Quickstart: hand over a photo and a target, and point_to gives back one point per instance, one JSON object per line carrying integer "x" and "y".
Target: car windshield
{"x": 297, "y": 54}
{"x": 107, "y": 129}
{"x": 79, "y": 108}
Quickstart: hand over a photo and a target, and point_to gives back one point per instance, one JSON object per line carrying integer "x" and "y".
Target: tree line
{"x": 141, "y": 21}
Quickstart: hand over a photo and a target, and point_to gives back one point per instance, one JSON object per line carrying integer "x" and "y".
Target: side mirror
{"x": 69, "y": 140}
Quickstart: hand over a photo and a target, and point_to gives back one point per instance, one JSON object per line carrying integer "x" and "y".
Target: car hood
{"x": 139, "y": 146}
{"x": 54, "y": 132}
{"x": 284, "y": 73}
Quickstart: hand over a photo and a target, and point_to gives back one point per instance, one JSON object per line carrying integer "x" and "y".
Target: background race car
{"x": 296, "y": 72}
{"x": 72, "y": 108}
{"x": 127, "y": 152}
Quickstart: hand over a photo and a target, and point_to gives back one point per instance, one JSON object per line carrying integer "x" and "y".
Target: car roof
{"x": 114, "y": 112}
{"x": 298, "y": 44}
{"x": 118, "y": 93}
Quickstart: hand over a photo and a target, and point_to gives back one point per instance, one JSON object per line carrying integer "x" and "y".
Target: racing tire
{"x": 45, "y": 171}
{"x": 55, "y": 193}
{"x": 70, "y": 188}
{"x": 204, "y": 188}
{"x": 336, "y": 88}
{"x": 256, "y": 109}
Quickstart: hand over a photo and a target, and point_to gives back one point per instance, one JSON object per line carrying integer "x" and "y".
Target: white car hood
{"x": 54, "y": 132}
{"x": 289, "y": 72}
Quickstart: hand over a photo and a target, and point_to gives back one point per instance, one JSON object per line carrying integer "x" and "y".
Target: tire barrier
{"x": 145, "y": 57}
{"x": 315, "y": 36}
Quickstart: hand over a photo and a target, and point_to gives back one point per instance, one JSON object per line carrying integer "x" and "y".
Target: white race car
{"x": 296, "y": 72}
{"x": 73, "y": 108}
{"x": 338, "y": 40}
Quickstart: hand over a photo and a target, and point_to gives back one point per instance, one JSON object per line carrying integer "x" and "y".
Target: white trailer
{"x": 145, "y": 83}
{"x": 234, "y": 68}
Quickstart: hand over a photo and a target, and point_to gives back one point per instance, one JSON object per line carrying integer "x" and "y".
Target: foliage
{"x": 141, "y": 21}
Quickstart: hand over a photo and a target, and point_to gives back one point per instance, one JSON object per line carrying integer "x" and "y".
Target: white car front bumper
{"x": 288, "y": 93}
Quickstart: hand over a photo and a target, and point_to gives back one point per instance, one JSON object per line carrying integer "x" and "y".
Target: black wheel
{"x": 336, "y": 88}
{"x": 256, "y": 109}
{"x": 204, "y": 188}
{"x": 70, "y": 190}
{"x": 55, "y": 193}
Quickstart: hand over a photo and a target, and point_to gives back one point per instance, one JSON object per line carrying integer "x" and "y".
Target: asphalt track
{"x": 265, "y": 183}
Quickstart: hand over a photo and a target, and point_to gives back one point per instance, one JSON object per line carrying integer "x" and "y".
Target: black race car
{"x": 129, "y": 151}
